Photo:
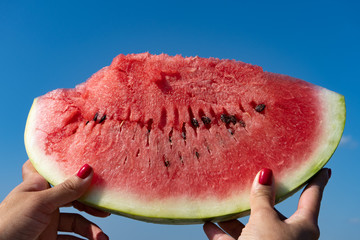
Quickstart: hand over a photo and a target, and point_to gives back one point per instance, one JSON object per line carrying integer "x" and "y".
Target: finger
{"x": 232, "y": 227}
{"x": 33, "y": 181}
{"x": 76, "y": 223}
{"x": 310, "y": 199}
{"x": 68, "y": 237}
{"x": 27, "y": 170}
{"x": 68, "y": 191}
{"x": 213, "y": 232}
{"x": 262, "y": 196}
{"x": 36, "y": 183}
{"x": 50, "y": 232}
{"x": 90, "y": 210}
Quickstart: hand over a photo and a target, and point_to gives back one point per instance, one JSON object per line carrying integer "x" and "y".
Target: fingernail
{"x": 84, "y": 171}
{"x": 102, "y": 236}
{"x": 265, "y": 177}
{"x": 329, "y": 173}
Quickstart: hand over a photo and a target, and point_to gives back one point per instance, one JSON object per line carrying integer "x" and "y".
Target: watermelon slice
{"x": 179, "y": 140}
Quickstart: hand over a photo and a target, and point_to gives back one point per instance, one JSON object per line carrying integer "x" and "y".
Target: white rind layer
{"x": 185, "y": 211}
{"x": 333, "y": 123}
{"x": 39, "y": 159}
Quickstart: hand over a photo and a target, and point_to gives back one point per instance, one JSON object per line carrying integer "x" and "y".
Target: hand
{"x": 267, "y": 223}
{"x": 31, "y": 210}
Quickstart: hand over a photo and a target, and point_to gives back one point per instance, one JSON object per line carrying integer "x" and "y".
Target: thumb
{"x": 262, "y": 196}
{"x": 69, "y": 190}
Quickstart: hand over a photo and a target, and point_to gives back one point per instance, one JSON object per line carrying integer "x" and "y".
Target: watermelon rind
{"x": 191, "y": 211}
{"x": 333, "y": 124}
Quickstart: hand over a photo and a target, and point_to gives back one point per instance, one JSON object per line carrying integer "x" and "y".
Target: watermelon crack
{"x": 176, "y": 116}
{"x": 163, "y": 119}
{"x": 213, "y": 115}
{"x": 149, "y": 126}
{"x": 137, "y": 153}
{"x": 183, "y": 132}
{"x": 166, "y": 161}
{"x": 241, "y": 107}
{"x": 170, "y": 137}
{"x": 181, "y": 158}
{"x": 196, "y": 153}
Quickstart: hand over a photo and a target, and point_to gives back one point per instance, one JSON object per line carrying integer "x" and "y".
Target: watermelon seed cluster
{"x": 102, "y": 119}
{"x": 226, "y": 118}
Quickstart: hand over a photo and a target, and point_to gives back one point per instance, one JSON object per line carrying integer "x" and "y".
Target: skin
{"x": 266, "y": 222}
{"x": 31, "y": 210}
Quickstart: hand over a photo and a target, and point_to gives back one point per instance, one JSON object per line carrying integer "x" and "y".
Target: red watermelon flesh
{"x": 179, "y": 140}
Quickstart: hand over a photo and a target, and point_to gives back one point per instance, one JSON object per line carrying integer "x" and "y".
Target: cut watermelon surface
{"x": 180, "y": 140}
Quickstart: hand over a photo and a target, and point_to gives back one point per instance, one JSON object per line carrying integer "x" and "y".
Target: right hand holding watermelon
{"x": 267, "y": 223}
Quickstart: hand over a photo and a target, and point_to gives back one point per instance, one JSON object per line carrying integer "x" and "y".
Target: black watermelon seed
{"x": 96, "y": 116}
{"x": 224, "y": 118}
{"x": 206, "y": 120}
{"x": 260, "y": 107}
{"x": 231, "y": 131}
{"x": 87, "y": 122}
{"x": 227, "y": 119}
{"x": 102, "y": 118}
{"x": 232, "y": 119}
{"x": 197, "y": 155}
{"x": 242, "y": 123}
{"x": 195, "y": 122}
{"x": 170, "y": 135}
{"x": 167, "y": 163}
{"x": 183, "y": 132}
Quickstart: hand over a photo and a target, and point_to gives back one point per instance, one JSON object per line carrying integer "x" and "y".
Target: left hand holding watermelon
{"x": 267, "y": 223}
{"x": 31, "y": 210}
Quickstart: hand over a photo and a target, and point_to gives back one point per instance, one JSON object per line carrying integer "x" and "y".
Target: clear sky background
{"x": 46, "y": 45}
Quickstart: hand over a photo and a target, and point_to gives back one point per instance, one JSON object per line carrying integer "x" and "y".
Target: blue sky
{"x": 46, "y": 45}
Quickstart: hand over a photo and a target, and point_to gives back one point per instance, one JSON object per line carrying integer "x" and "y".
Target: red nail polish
{"x": 84, "y": 171}
{"x": 265, "y": 177}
